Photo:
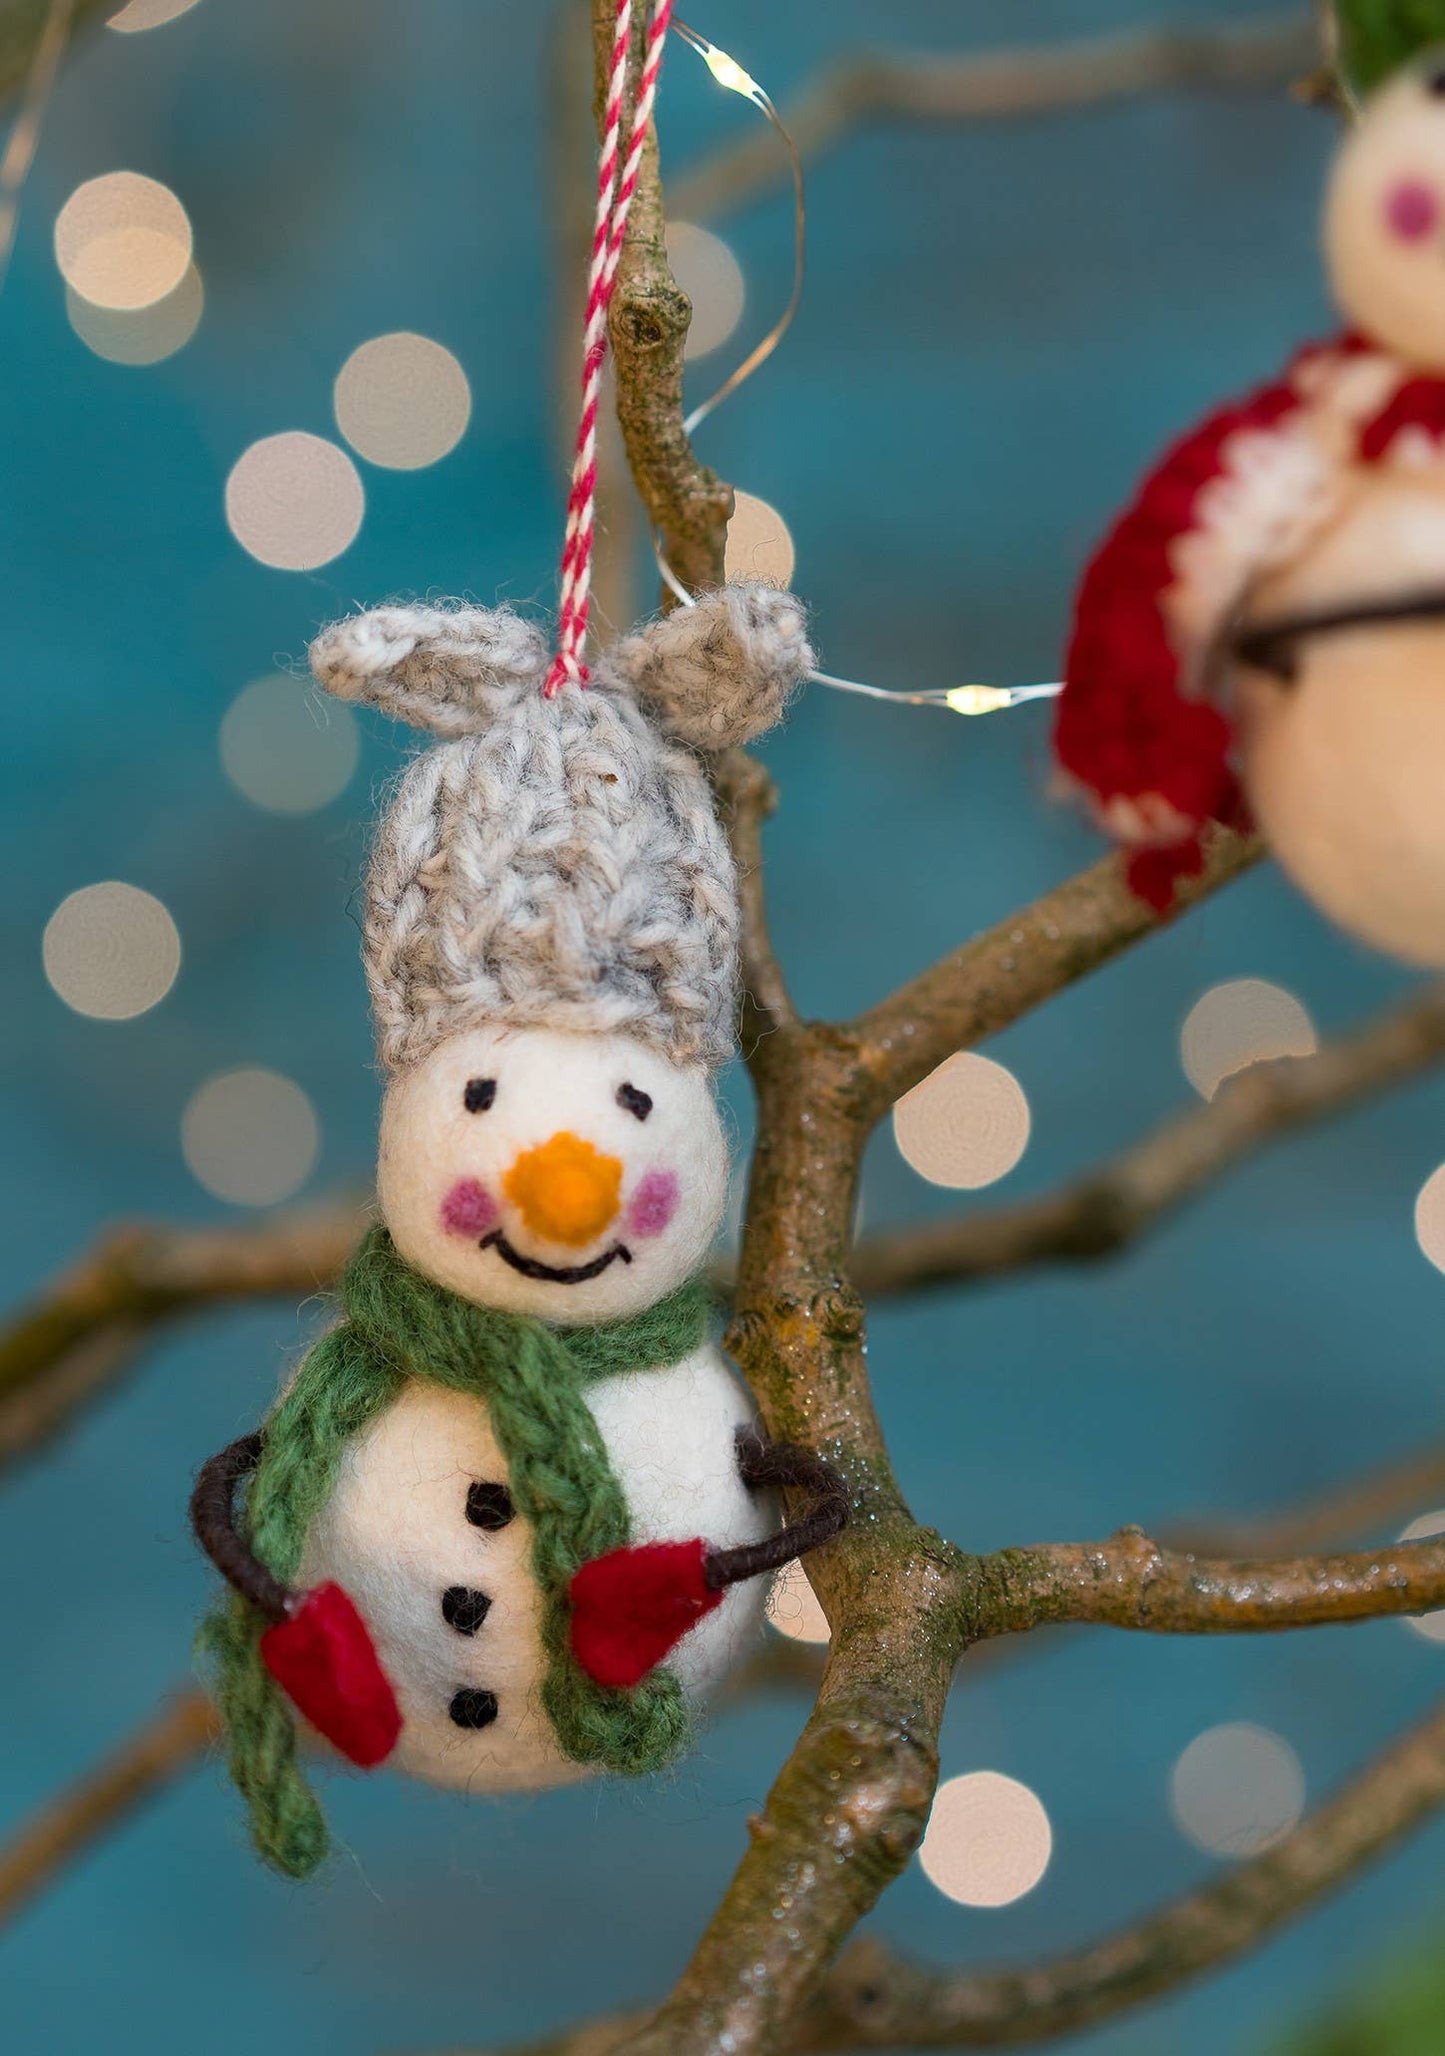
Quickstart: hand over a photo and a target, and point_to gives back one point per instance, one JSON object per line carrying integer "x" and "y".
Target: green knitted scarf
{"x": 399, "y": 1325}
{"x": 1378, "y": 36}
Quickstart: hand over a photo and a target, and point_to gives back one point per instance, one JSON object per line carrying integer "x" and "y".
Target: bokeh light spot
{"x": 988, "y": 1840}
{"x": 122, "y": 240}
{"x": 286, "y": 750}
{"x": 793, "y": 1607}
{"x": 758, "y": 542}
{"x": 712, "y": 278}
{"x": 142, "y": 335}
{"x": 147, "y": 14}
{"x": 1430, "y": 1627}
{"x": 1237, "y": 1790}
{"x": 1242, "y": 1022}
{"x": 294, "y": 501}
{"x": 1430, "y": 1218}
{"x": 966, "y": 1125}
{"x": 250, "y": 1136}
{"x": 111, "y": 951}
{"x": 402, "y": 400}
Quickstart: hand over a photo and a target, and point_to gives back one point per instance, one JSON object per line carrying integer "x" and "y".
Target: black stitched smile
{"x": 572, "y": 1274}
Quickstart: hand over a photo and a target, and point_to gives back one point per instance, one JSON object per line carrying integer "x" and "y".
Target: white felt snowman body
{"x": 1263, "y": 632}
{"x": 1344, "y": 757}
{"x": 422, "y": 1534}
{"x": 570, "y": 1177}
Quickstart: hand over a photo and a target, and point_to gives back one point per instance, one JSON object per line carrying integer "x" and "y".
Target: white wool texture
{"x": 559, "y": 863}
{"x": 395, "y": 1535}
{"x": 546, "y": 1082}
{"x": 719, "y": 673}
{"x": 449, "y": 669}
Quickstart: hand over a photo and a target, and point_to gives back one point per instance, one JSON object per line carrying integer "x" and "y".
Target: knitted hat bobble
{"x": 1263, "y": 632}
{"x": 510, "y": 1522}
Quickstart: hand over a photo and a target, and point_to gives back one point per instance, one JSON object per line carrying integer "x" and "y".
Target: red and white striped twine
{"x": 614, "y": 203}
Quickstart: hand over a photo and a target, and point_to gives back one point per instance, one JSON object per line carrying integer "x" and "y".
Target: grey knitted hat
{"x": 559, "y": 863}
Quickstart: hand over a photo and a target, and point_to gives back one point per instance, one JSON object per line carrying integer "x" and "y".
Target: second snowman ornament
{"x": 510, "y": 1522}
{"x": 1263, "y": 632}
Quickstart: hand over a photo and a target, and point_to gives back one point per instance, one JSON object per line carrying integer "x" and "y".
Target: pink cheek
{"x": 1411, "y": 210}
{"x": 468, "y": 1209}
{"x": 653, "y": 1204}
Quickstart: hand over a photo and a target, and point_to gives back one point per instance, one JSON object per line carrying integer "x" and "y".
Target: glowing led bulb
{"x": 978, "y": 699}
{"x": 726, "y": 70}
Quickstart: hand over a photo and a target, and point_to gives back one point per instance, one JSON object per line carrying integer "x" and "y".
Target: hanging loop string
{"x": 614, "y": 204}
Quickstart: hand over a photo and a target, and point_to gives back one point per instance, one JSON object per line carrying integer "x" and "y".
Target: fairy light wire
{"x": 957, "y": 699}
{"x": 730, "y": 75}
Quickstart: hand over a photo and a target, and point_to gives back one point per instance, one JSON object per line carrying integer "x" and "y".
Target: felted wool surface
{"x": 559, "y": 863}
{"x": 1345, "y": 766}
{"x": 718, "y": 674}
{"x": 396, "y": 1536}
{"x": 532, "y": 1378}
{"x": 1320, "y": 486}
{"x": 577, "y": 1151}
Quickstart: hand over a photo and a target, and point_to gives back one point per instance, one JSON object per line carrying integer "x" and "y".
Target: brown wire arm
{"x": 213, "y": 1517}
{"x": 1270, "y": 645}
{"x": 780, "y": 1464}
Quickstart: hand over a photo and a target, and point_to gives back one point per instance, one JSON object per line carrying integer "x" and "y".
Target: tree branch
{"x": 875, "y": 2000}
{"x": 1105, "y": 1211}
{"x": 84, "y": 1331}
{"x": 1002, "y": 85}
{"x": 1383, "y": 1498}
{"x": 748, "y": 797}
{"x": 872, "y": 2001}
{"x": 22, "y": 23}
{"x": 1009, "y": 970}
{"x": 1131, "y": 1582}
{"x": 165, "y": 1747}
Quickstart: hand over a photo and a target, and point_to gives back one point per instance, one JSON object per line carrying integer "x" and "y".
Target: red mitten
{"x": 323, "y": 1658}
{"x": 631, "y": 1607}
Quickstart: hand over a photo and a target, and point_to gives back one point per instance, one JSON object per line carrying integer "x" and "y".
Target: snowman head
{"x": 1384, "y": 228}
{"x": 572, "y": 1176}
{"x": 551, "y": 942}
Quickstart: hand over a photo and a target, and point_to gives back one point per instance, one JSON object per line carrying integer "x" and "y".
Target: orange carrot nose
{"x": 565, "y": 1190}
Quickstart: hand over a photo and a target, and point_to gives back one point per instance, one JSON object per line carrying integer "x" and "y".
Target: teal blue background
{"x": 1001, "y": 325}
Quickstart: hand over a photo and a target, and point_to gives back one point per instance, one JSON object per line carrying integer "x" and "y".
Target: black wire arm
{"x": 762, "y": 1464}
{"x": 213, "y": 1517}
{"x": 780, "y": 1464}
{"x": 1270, "y": 645}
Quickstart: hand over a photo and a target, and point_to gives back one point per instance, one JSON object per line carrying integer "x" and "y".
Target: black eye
{"x": 635, "y": 1101}
{"x": 1435, "y": 81}
{"x": 479, "y": 1094}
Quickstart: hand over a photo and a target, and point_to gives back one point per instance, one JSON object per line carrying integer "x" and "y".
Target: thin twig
{"x": 1105, "y": 1211}
{"x": 135, "y": 1277}
{"x": 64, "y": 1828}
{"x": 1001, "y": 85}
{"x": 749, "y": 796}
{"x": 35, "y": 1413}
{"x": 875, "y": 2000}
{"x": 1129, "y": 1581}
{"x": 1006, "y": 972}
{"x": 1360, "y": 1506}
{"x": 23, "y": 23}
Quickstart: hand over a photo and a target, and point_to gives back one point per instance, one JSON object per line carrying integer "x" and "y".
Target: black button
{"x": 464, "y": 1610}
{"x": 473, "y": 1709}
{"x": 489, "y": 1506}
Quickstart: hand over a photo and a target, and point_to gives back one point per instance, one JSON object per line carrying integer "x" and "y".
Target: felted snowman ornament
{"x": 509, "y": 1523}
{"x": 1263, "y": 633}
